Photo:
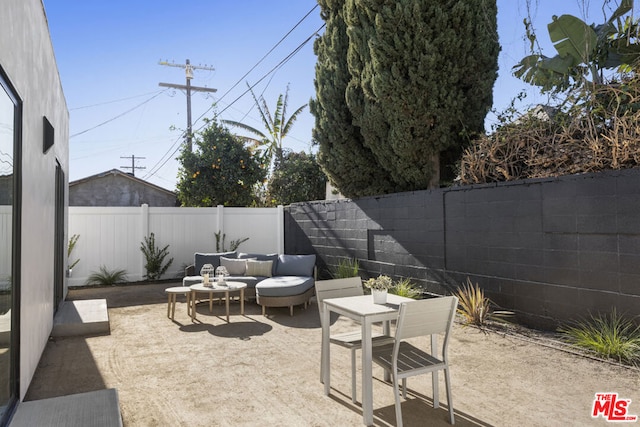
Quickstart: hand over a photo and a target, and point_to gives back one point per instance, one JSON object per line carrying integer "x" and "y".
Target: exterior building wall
{"x": 114, "y": 189}
{"x": 550, "y": 249}
{"x": 27, "y": 57}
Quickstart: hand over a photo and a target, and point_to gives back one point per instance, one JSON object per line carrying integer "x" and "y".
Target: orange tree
{"x": 221, "y": 170}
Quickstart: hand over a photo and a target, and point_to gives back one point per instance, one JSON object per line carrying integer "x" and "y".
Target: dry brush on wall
{"x": 602, "y": 134}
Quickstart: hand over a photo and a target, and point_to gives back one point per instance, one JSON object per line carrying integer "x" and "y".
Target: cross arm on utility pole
{"x": 133, "y": 166}
{"x": 188, "y": 68}
{"x": 184, "y": 87}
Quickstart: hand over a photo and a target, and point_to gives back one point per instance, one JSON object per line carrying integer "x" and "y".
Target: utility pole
{"x": 133, "y": 166}
{"x": 188, "y": 68}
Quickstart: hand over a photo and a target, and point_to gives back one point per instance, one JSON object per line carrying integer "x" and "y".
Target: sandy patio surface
{"x": 260, "y": 370}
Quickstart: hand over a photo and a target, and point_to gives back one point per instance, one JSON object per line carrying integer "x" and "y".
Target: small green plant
{"x": 405, "y": 288}
{"x": 72, "y": 244}
{"x": 379, "y": 283}
{"x": 347, "y": 267}
{"x": 233, "y": 245}
{"x": 106, "y": 277}
{"x": 610, "y": 336}
{"x": 154, "y": 256}
{"x": 473, "y": 306}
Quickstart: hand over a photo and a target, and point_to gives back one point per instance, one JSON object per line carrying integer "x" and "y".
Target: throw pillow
{"x": 213, "y": 259}
{"x": 262, "y": 257}
{"x": 259, "y": 268}
{"x": 235, "y": 267}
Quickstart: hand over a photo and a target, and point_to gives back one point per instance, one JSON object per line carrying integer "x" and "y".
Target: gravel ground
{"x": 259, "y": 370}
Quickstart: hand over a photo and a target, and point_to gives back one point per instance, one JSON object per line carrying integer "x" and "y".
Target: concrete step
{"x": 81, "y": 318}
{"x": 92, "y": 409}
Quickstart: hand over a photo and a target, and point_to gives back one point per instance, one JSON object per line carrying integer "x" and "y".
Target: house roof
{"x": 119, "y": 173}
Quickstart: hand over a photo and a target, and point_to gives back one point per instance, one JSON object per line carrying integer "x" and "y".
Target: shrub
{"x": 473, "y": 306}
{"x": 155, "y": 258}
{"x": 234, "y": 244}
{"x": 405, "y": 288}
{"x": 347, "y": 267}
{"x": 610, "y": 336}
{"x": 72, "y": 244}
{"x": 106, "y": 277}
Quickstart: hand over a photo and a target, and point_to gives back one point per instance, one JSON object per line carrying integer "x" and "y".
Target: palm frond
{"x": 292, "y": 120}
{"x": 245, "y": 127}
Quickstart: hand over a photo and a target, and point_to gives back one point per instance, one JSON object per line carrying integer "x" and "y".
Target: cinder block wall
{"x": 550, "y": 249}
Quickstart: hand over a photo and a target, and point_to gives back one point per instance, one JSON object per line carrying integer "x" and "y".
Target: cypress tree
{"x": 419, "y": 81}
{"x": 348, "y": 164}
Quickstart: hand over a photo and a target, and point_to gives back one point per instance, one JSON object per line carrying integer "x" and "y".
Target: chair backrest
{"x": 337, "y": 288}
{"x": 426, "y": 317}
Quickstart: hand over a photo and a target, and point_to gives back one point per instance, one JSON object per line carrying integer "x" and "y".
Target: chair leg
{"x": 396, "y": 394}
{"x": 353, "y": 375}
{"x": 264, "y": 310}
{"x": 404, "y": 388}
{"x": 447, "y": 382}
{"x": 291, "y": 310}
{"x": 436, "y": 393}
{"x": 434, "y": 374}
{"x": 321, "y": 365}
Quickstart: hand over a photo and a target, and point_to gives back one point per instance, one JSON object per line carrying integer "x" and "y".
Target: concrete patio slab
{"x": 92, "y": 409}
{"x": 81, "y": 318}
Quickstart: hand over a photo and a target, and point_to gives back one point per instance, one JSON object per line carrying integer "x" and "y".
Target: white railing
{"x": 112, "y": 236}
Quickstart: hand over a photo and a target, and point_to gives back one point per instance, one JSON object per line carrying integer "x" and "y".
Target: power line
{"x": 280, "y": 64}
{"x": 160, "y": 164}
{"x": 118, "y": 116}
{"x": 113, "y": 101}
{"x": 268, "y": 53}
{"x": 154, "y": 170}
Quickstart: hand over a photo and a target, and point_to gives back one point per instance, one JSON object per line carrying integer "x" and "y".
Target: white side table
{"x": 172, "y": 293}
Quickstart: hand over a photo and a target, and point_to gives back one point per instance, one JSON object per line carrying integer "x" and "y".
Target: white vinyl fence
{"x": 112, "y": 236}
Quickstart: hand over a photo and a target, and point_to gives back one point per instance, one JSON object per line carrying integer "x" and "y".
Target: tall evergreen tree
{"x": 420, "y": 80}
{"x": 349, "y": 165}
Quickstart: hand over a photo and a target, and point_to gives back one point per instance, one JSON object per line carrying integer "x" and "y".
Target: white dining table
{"x": 363, "y": 310}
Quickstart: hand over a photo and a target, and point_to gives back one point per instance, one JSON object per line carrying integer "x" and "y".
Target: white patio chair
{"x": 419, "y": 318}
{"x": 349, "y": 287}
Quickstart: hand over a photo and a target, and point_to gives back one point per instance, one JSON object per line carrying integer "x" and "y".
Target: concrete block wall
{"x": 551, "y": 250}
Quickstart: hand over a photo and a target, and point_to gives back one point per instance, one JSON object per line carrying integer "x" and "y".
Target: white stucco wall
{"x": 27, "y": 57}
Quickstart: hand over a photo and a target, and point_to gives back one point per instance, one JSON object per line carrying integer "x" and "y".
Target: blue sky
{"x": 107, "y": 54}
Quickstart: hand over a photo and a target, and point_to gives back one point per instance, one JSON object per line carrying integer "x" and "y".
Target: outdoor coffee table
{"x": 217, "y": 289}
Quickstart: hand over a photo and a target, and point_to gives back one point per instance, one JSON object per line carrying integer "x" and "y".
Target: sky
{"x": 109, "y": 52}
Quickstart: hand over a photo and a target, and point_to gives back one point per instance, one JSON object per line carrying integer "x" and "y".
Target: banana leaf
{"x": 573, "y": 38}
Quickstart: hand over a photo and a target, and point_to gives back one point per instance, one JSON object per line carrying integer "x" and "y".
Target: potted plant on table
{"x": 379, "y": 288}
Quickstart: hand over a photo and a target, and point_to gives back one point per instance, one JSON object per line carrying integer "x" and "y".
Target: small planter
{"x": 379, "y": 296}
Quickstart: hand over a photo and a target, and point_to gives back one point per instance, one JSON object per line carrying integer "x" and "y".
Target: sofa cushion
{"x": 234, "y": 266}
{"x": 259, "y": 268}
{"x": 262, "y": 257}
{"x": 191, "y": 280}
{"x": 284, "y": 286}
{"x": 210, "y": 258}
{"x": 251, "y": 281}
{"x": 295, "y": 265}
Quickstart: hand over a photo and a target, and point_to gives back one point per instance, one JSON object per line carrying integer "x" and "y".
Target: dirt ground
{"x": 260, "y": 370}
